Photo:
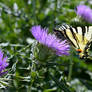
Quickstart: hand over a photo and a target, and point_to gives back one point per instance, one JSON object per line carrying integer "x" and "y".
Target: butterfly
{"x": 79, "y": 37}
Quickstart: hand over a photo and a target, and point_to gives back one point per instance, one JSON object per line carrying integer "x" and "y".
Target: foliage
{"x": 28, "y": 70}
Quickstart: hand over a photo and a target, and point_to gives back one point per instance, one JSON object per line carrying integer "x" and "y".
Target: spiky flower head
{"x": 85, "y": 12}
{"x": 3, "y": 63}
{"x": 50, "y": 40}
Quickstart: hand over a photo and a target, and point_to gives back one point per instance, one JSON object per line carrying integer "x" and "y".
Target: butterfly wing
{"x": 79, "y": 37}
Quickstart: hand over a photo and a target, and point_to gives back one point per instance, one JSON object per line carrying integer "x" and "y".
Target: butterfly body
{"x": 79, "y": 37}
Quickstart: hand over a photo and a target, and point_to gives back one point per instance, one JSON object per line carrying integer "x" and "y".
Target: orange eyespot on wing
{"x": 79, "y": 50}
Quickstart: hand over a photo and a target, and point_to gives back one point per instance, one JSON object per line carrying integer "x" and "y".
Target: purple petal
{"x": 85, "y": 12}
{"x": 2, "y": 73}
{"x": 3, "y": 63}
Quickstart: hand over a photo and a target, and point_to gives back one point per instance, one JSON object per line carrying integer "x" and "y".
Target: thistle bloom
{"x": 50, "y": 40}
{"x": 85, "y": 12}
{"x": 3, "y": 63}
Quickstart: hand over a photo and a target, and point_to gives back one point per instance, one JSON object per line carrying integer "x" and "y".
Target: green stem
{"x": 70, "y": 70}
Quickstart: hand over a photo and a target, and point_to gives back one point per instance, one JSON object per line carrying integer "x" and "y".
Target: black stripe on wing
{"x": 64, "y": 27}
{"x": 66, "y": 36}
{"x": 61, "y": 33}
{"x": 74, "y": 36}
{"x": 83, "y": 32}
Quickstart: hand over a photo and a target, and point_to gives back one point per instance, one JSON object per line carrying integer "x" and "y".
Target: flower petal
{"x": 85, "y": 12}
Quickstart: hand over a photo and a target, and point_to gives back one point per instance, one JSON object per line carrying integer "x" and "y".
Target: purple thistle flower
{"x": 85, "y": 12}
{"x": 3, "y": 63}
{"x": 50, "y": 40}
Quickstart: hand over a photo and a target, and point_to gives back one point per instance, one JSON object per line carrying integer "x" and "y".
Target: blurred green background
{"x": 26, "y": 74}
